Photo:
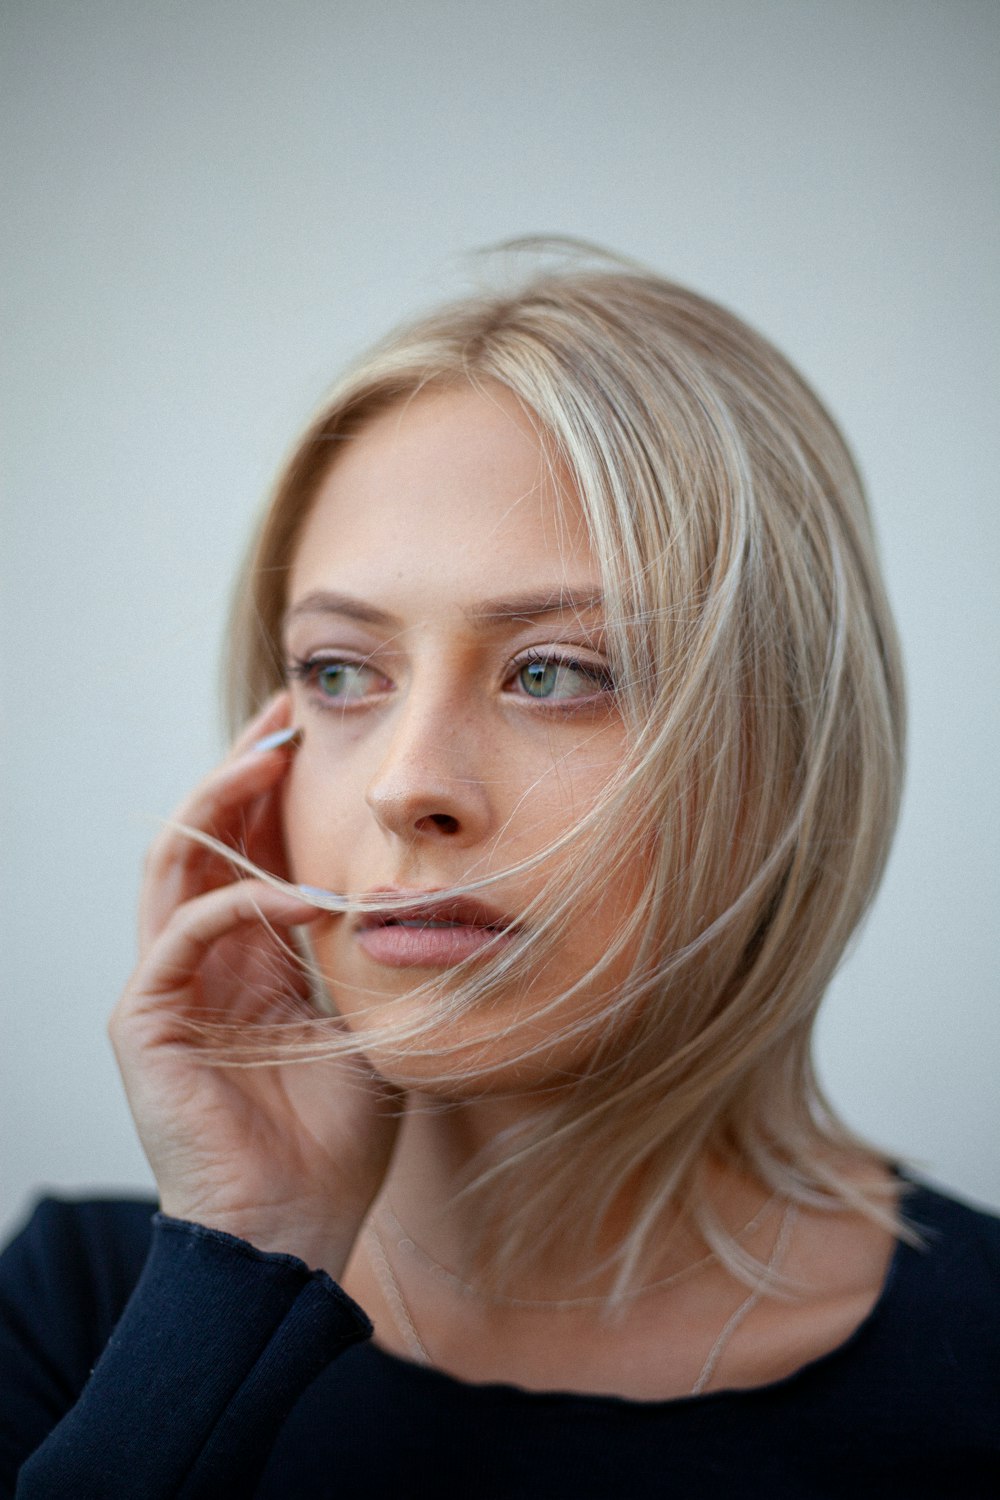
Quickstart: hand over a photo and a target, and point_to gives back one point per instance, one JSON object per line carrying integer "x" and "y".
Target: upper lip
{"x": 465, "y": 911}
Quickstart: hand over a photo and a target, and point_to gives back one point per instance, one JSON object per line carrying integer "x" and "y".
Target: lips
{"x": 463, "y": 912}
{"x": 431, "y": 934}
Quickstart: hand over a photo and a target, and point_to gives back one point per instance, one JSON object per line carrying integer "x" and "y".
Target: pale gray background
{"x": 212, "y": 205}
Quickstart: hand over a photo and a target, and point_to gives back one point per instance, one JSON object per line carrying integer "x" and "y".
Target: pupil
{"x": 539, "y": 678}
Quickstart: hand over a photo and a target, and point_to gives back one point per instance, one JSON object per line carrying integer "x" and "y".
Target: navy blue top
{"x": 146, "y": 1358}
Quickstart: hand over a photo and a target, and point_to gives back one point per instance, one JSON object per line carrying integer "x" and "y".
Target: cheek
{"x": 316, "y": 813}
{"x": 559, "y": 786}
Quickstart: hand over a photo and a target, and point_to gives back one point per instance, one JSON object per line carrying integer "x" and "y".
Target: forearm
{"x": 213, "y": 1349}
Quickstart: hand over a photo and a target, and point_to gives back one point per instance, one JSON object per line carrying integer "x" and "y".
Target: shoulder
{"x": 953, "y": 1233}
{"x": 112, "y": 1231}
{"x": 945, "y": 1284}
{"x": 74, "y": 1266}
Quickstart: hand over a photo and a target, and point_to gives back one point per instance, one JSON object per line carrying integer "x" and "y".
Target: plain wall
{"x": 211, "y": 206}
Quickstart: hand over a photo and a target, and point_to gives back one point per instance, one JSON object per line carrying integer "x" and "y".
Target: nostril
{"x": 444, "y": 822}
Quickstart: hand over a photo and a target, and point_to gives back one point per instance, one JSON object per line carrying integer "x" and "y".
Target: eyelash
{"x": 599, "y": 675}
{"x": 306, "y": 669}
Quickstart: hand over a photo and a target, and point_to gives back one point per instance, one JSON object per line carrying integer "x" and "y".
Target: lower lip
{"x": 428, "y": 947}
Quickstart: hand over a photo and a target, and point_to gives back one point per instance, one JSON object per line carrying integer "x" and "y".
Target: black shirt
{"x": 218, "y": 1370}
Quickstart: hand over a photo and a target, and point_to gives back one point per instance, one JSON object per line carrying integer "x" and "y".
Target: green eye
{"x": 343, "y": 679}
{"x": 538, "y": 678}
{"x": 560, "y": 680}
{"x": 337, "y": 681}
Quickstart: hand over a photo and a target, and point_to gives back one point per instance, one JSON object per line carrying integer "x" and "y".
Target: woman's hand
{"x": 287, "y": 1156}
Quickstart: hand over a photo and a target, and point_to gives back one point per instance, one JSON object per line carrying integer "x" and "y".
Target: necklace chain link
{"x": 406, "y": 1241}
{"x": 403, "y": 1318}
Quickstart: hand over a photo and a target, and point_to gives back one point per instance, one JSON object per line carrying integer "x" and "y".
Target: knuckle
{"x": 160, "y": 856}
{"x": 115, "y": 1024}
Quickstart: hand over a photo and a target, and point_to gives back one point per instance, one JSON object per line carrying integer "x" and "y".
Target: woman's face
{"x": 447, "y": 666}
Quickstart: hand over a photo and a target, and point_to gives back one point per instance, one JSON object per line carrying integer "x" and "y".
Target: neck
{"x": 441, "y": 1145}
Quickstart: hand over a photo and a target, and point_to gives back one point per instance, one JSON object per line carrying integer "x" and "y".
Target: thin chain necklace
{"x": 403, "y": 1318}
{"x": 405, "y": 1241}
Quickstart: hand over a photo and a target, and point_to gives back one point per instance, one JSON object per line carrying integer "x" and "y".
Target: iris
{"x": 343, "y": 679}
{"x": 558, "y": 679}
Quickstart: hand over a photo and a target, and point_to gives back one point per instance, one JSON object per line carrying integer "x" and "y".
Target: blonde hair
{"x": 757, "y": 668}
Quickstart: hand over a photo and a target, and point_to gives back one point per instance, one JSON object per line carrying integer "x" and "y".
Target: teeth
{"x": 419, "y": 923}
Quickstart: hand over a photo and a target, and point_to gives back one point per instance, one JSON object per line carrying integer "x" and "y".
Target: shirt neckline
{"x": 513, "y": 1394}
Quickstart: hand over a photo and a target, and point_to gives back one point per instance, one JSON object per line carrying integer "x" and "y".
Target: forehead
{"x": 450, "y": 488}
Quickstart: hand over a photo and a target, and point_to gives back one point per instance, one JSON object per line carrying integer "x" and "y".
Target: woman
{"x": 476, "y": 985}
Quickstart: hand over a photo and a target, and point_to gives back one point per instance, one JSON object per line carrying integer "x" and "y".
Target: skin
{"x": 288, "y": 1158}
{"x": 425, "y": 760}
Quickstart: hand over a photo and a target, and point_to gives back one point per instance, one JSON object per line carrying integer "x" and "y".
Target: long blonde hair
{"x": 758, "y": 671}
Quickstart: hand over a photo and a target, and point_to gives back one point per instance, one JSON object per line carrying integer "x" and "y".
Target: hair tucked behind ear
{"x": 759, "y": 674}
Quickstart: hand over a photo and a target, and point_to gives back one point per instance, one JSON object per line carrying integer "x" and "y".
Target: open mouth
{"x": 431, "y": 936}
{"x": 426, "y": 923}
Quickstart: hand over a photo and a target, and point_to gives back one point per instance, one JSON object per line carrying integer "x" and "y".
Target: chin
{"x": 474, "y": 1067}
{"x": 482, "y": 1051}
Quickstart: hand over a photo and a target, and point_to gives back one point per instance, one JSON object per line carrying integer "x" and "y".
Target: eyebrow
{"x": 488, "y": 612}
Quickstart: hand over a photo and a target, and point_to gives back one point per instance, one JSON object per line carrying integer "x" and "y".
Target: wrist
{"x": 327, "y": 1247}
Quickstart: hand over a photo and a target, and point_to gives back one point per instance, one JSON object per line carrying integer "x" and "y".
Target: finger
{"x": 178, "y": 868}
{"x": 222, "y": 805}
{"x": 276, "y": 714}
{"x": 257, "y": 971}
{"x": 244, "y": 772}
{"x": 263, "y": 835}
{"x": 184, "y": 944}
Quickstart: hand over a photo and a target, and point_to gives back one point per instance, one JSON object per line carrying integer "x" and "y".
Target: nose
{"x": 429, "y": 783}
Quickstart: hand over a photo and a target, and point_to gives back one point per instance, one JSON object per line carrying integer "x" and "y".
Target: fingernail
{"x": 316, "y": 893}
{"x": 279, "y": 737}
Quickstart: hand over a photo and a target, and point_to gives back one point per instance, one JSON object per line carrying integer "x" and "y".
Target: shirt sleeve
{"x": 215, "y": 1344}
